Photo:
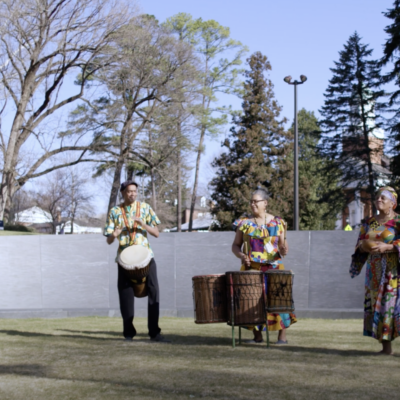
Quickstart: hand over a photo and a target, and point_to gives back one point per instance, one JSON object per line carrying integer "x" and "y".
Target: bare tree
{"x": 147, "y": 60}
{"x": 64, "y": 195}
{"x": 52, "y": 196}
{"x": 43, "y": 42}
{"x": 22, "y": 200}
{"x": 79, "y": 200}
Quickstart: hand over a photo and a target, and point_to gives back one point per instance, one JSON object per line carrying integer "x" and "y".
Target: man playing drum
{"x": 130, "y": 222}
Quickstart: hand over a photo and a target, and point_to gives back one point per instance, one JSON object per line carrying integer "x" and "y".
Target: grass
{"x": 85, "y": 358}
{"x": 13, "y": 233}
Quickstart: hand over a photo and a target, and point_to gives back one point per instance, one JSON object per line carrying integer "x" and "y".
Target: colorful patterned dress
{"x": 262, "y": 242}
{"x": 381, "y": 305}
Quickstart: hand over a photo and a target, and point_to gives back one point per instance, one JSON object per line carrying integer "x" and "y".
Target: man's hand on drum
{"x": 381, "y": 247}
{"x": 245, "y": 260}
{"x": 139, "y": 221}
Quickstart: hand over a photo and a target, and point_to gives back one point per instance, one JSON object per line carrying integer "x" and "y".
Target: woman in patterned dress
{"x": 378, "y": 246}
{"x": 265, "y": 238}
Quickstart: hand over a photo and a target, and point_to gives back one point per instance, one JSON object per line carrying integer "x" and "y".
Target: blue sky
{"x": 298, "y": 37}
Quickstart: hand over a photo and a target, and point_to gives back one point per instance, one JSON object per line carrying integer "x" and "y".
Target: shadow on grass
{"x": 110, "y": 333}
{"x": 36, "y": 370}
{"x": 181, "y": 340}
{"x": 192, "y": 340}
{"x": 48, "y": 335}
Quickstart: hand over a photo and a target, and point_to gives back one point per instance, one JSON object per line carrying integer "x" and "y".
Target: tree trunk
{"x": 371, "y": 181}
{"x": 179, "y": 194}
{"x": 129, "y": 174}
{"x": 10, "y": 188}
{"x": 116, "y": 183}
{"x": 153, "y": 190}
{"x": 5, "y": 195}
{"x": 196, "y": 178}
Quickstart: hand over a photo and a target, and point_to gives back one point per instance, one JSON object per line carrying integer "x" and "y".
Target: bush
{"x": 19, "y": 228}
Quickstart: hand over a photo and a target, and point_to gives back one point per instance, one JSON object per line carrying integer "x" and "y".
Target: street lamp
{"x": 288, "y": 79}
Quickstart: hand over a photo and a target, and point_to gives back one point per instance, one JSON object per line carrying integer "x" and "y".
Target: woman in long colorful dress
{"x": 264, "y": 235}
{"x": 378, "y": 246}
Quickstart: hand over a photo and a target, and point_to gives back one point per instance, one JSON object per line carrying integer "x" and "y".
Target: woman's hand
{"x": 284, "y": 249}
{"x": 381, "y": 247}
{"x": 245, "y": 260}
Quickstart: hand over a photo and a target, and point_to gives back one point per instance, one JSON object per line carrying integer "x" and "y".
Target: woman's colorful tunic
{"x": 381, "y": 305}
{"x": 263, "y": 250}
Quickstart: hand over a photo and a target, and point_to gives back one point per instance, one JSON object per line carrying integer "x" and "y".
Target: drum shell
{"x": 209, "y": 298}
{"x": 246, "y": 298}
{"x": 139, "y": 275}
{"x": 279, "y": 291}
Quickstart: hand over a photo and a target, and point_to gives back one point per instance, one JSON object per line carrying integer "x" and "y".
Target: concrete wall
{"x": 60, "y": 276}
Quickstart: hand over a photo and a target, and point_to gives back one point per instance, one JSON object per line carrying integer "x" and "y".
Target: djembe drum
{"x": 279, "y": 285}
{"x": 246, "y": 298}
{"x": 209, "y": 297}
{"x": 135, "y": 261}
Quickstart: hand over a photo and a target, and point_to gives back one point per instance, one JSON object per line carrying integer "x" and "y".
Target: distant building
{"x": 42, "y": 221}
{"x": 358, "y": 207}
{"x": 201, "y": 207}
{"x": 202, "y": 217}
{"x": 80, "y": 227}
{"x": 202, "y": 223}
{"x": 33, "y": 215}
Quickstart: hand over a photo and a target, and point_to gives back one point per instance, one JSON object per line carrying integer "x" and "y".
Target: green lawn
{"x": 13, "y": 233}
{"x": 85, "y": 358}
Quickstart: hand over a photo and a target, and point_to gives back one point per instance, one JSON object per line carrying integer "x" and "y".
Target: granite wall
{"x": 61, "y": 276}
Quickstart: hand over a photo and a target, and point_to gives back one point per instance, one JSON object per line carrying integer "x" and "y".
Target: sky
{"x": 298, "y": 37}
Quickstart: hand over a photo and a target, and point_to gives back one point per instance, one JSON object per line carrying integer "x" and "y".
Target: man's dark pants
{"x": 126, "y": 301}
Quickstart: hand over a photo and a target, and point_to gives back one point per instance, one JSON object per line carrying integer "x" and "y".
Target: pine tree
{"x": 351, "y": 118}
{"x": 391, "y": 53}
{"x": 256, "y": 141}
{"x": 317, "y": 208}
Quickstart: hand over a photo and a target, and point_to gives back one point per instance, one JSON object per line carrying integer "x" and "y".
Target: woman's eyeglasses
{"x": 255, "y": 201}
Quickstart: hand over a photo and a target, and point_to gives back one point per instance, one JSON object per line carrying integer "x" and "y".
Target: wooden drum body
{"x": 135, "y": 260}
{"x": 279, "y": 291}
{"x": 209, "y": 297}
{"x": 246, "y": 298}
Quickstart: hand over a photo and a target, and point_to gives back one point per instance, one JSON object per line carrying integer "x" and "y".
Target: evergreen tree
{"x": 351, "y": 118}
{"x": 391, "y": 53}
{"x": 316, "y": 208}
{"x": 256, "y": 141}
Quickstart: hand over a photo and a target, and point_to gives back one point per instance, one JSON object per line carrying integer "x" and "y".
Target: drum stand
{"x": 233, "y": 315}
{"x": 240, "y": 335}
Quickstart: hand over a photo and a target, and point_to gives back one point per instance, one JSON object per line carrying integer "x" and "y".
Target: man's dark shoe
{"x": 128, "y": 339}
{"x": 160, "y": 338}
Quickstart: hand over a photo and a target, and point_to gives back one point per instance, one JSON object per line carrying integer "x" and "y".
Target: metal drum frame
{"x": 242, "y": 294}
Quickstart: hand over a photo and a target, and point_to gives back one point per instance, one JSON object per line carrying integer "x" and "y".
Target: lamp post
{"x": 288, "y": 79}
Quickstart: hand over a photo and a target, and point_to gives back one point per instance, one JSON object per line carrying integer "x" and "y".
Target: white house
{"x": 33, "y": 215}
